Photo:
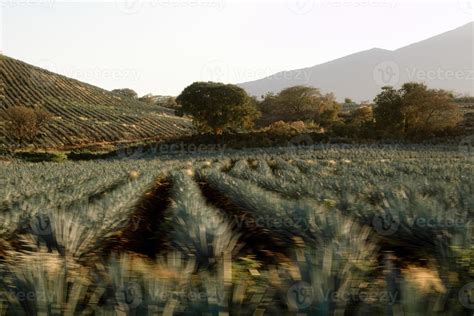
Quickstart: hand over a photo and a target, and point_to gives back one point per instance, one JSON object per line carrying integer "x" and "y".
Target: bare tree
{"x": 23, "y": 124}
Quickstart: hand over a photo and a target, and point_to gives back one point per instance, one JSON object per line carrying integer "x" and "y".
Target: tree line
{"x": 413, "y": 112}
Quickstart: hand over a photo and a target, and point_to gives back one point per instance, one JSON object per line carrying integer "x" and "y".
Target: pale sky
{"x": 161, "y": 46}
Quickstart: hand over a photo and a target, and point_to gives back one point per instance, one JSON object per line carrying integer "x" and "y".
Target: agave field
{"x": 82, "y": 114}
{"x": 314, "y": 231}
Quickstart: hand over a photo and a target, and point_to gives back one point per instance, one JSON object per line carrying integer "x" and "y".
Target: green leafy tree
{"x": 388, "y": 111}
{"x": 217, "y": 107}
{"x": 414, "y": 111}
{"x": 300, "y": 103}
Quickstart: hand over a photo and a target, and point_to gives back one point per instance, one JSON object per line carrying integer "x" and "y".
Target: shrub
{"x": 24, "y": 124}
{"x": 298, "y": 127}
{"x": 42, "y": 156}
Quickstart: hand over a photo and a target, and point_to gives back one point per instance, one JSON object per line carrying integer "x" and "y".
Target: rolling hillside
{"x": 443, "y": 62}
{"x": 83, "y": 114}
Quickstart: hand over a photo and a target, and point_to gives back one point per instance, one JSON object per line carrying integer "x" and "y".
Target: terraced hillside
{"x": 83, "y": 114}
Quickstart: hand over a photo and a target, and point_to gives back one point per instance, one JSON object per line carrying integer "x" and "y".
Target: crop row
{"x": 326, "y": 228}
{"x": 83, "y": 114}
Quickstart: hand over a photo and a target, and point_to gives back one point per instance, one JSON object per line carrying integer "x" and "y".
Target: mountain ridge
{"x": 360, "y": 75}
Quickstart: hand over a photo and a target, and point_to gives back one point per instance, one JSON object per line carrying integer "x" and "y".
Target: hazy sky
{"x": 161, "y": 46}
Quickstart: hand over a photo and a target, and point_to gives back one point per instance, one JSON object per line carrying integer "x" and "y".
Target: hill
{"x": 83, "y": 114}
{"x": 444, "y": 61}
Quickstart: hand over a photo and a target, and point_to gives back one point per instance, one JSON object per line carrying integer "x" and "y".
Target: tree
{"x": 387, "y": 113}
{"x": 414, "y": 111}
{"x": 360, "y": 122}
{"x": 23, "y": 124}
{"x": 126, "y": 92}
{"x": 361, "y": 116}
{"x": 300, "y": 103}
{"x": 217, "y": 107}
